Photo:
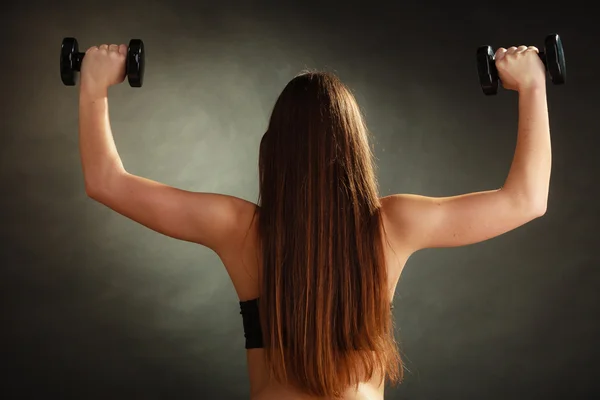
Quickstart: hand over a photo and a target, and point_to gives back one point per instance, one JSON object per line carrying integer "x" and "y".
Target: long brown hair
{"x": 324, "y": 305}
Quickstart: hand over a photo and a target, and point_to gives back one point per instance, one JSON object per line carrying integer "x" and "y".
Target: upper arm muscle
{"x": 419, "y": 222}
{"x": 204, "y": 218}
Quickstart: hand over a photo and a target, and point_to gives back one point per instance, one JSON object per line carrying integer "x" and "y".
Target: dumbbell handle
{"x": 77, "y": 58}
{"x": 542, "y": 57}
{"x": 541, "y": 54}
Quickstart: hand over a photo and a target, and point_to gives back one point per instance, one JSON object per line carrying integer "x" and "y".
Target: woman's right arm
{"x": 418, "y": 222}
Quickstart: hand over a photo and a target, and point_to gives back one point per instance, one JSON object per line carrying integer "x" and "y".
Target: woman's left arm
{"x": 212, "y": 220}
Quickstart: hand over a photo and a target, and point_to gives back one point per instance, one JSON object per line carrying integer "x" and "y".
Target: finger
{"x": 113, "y": 47}
{"x": 123, "y": 49}
{"x": 533, "y": 48}
{"x": 91, "y": 49}
{"x": 500, "y": 53}
{"x": 521, "y": 49}
{"x": 511, "y": 50}
{"x": 103, "y": 47}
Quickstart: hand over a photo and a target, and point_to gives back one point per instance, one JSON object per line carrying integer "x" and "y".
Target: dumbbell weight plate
{"x": 486, "y": 68}
{"x": 68, "y": 73}
{"x": 555, "y": 59}
{"x": 135, "y": 63}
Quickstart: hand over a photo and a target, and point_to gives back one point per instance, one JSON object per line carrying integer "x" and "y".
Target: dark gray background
{"x": 97, "y": 307}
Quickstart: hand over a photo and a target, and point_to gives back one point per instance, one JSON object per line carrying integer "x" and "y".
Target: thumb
{"x": 500, "y": 53}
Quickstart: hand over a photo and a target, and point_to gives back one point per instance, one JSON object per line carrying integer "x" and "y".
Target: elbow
{"x": 530, "y": 207}
{"x": 99, "y": 186}
{"x": 93, "y": 190}
{"x": 537, "y": 209}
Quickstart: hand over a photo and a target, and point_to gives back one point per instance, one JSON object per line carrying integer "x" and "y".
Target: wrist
{"x": 92, "y": 92}
{"x": 532, "y": 87}
{"x": 532, "y": 93}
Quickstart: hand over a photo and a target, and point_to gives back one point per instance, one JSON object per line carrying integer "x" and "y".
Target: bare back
{"x": 244, "y": 270}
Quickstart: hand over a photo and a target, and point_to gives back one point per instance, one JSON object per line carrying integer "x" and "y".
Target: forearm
{"x": 529, "y": 177}
{"x": 99, "y": 156}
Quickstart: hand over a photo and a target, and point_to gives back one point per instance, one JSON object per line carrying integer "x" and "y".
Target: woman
{"x": 321, "y": 251}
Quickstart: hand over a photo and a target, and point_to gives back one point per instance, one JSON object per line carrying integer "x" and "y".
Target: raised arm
{"x": 417, "y": 222}
{"x": 213, "y": 220}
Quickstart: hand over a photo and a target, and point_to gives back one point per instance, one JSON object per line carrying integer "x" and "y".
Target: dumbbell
{"x": 553, "y": 58}
{"x": 71, "y": 58}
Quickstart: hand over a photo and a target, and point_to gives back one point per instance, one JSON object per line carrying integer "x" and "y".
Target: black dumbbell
{"x": 70, "y": 62}
{"x": 553, "y": 58}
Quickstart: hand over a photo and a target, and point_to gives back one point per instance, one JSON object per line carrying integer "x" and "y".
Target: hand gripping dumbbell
{"x": 71, "y": 58}
{"x": 553, "y": 58}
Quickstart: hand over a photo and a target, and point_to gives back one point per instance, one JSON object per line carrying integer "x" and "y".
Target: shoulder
{"x": 403, "y": 216}
{"x": 242, "y": 218}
